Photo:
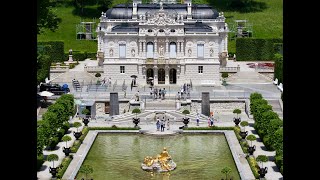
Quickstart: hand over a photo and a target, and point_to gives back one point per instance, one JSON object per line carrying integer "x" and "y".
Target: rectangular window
{"x": 200, "y": 50}
{"x": 200, "y": 69}
{"x": 122, "y": 70}
{"x": 122, "y": 50}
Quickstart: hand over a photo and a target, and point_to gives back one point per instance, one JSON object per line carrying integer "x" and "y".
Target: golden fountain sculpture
{"x": 161, "y": 162}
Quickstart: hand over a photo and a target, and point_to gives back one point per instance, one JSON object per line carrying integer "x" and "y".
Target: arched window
{"x": 173, "y": 50}
{"x": 150, "y": 50}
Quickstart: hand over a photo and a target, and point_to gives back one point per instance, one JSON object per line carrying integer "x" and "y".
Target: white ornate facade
{"x": 172, "y": 43}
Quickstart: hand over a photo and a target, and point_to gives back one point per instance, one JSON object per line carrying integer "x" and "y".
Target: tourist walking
{"x": 209, "y": 122}
{"x": 164, "y": 93}
{"x": 160, "y": 93}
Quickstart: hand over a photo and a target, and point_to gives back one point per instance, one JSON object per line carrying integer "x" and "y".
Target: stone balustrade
{"x": 93, "y": 69}
{"x": 229, "y": 69}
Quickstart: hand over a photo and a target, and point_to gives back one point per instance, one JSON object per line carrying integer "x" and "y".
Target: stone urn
{"x": 185, "y": 121}
{"x": 53, "y": 171}
{"x": 66, "y": 151}
{"x": 263, "y": 172}
{"x": 237, "y": 121}
{"x": 243, "y": 134}
{"x": 85, "y": 121}
{"x": 251, "y": 149}
{"x": 136, "y": 121}
{"x": 77, "y": 135}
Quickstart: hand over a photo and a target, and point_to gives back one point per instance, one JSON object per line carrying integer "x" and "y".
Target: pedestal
{"x": 205, "y": 104}
{"x": 114, "y": 104}
{"x": 70, "y": 58}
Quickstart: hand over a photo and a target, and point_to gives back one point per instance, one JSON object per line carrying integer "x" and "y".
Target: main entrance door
{"x": 161, "y": 76}
{"x": 173, "y": 76}
{"x": 149, "y": 75}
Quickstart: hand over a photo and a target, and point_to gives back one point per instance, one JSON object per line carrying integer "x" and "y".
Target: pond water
{"x": 198, "y": 156}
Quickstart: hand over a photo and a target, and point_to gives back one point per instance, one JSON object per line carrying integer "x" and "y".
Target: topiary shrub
{"x": 97, "y": 75}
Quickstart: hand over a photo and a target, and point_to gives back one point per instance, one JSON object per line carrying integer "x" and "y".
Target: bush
{"x": 40, "y": 161}
{"x": 81, "y": 56}
{"x": 66, "y": 126}
{"x": 61, "y": 133}
{"x": 252, "y": 49}
{"x": 75, "y": 146}
{"x": 53, "y": 143}
{"x": 55, "y": 50}
{"x": 85, "y": 131}
{"x": 64, "y": 165}
{"x": 224, "y": 75}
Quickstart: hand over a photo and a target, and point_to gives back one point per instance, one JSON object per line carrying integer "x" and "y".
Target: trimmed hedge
{"x": 54, "y": 49}
{"x": 254, "y": 166}
{"x": 81, "y": 56}
{"x": 269, "y": 127}
{"x": 209, "y": 128}
{"x": 278, "y": 68}
{"x": 252, "y": 49}
{"x": 64, "y": 165}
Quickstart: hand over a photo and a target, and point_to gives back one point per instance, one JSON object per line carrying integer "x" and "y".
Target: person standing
{"x": 168, "y": 125}
{"x": 209, "y": 122}
{"x": 198, "y": 120}
{"x": 161, "y": 126}
{"x": 158, "y": 124}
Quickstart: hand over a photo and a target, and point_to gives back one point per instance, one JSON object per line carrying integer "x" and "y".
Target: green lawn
{"x": 265, "y": 15}
{"x": 67, "y": 29}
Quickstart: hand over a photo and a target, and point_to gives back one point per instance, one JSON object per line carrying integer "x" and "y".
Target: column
{"x": 178, "y": 48}
{"x": 140, "y": 48}
{"x": 155, "y": 73}
{"x": 226, "y": 43}
{"x": 205, "y": 104}
{"x": 155, "y": 53}
{"x": 167, "y": 48}
{"x": 182, "y": 46}
{"x": 166, "y": 70}
{"x": 114, "y": 104}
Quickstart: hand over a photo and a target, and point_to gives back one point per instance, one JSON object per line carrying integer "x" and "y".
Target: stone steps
{"x": 248, "y": 78}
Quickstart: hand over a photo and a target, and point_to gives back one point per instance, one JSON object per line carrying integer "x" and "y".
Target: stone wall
{"x": 210, "y": 72}
{"x": 53, "y": 75}
{"x": 220, "y": 107}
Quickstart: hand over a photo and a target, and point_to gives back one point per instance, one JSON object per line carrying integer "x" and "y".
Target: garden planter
{"x": 237, "y": 121}
{"x": 186, "y": 121}
{"x": 77, "y": 135}
{"x": 66, "y": 151}
{"x": 263, "y": 172}
{"x": 251, "y": 149}
{"x": 243, "y": 134}
{"x": 136, "y": 121}
{"x": 53, "y": 171}
{"x": 85, "y": 121}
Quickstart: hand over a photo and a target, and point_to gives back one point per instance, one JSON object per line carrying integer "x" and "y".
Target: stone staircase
{"x": 248, "y": 77}
{"x": 276, "y": 107}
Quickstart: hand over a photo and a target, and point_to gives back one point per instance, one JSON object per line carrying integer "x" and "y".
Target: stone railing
{"x": 93, "y": 69}
{"x": 59, "y": 68}
{"x": 264, "y": 70}
{"x": 229, "y": 69}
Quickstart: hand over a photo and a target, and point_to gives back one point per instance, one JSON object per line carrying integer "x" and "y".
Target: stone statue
{"x": 161, "y": 6}
{"x": 133, "y": 52}
{"x": 70, "y": 51}
{"x": 211, "y": 52}
{"x": 111, "y": 52}
{"x": 189, "y": 52}
{"x": 161, "y": 51}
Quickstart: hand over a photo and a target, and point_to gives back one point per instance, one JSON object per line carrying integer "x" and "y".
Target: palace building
{"x": 165, "y": 43}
